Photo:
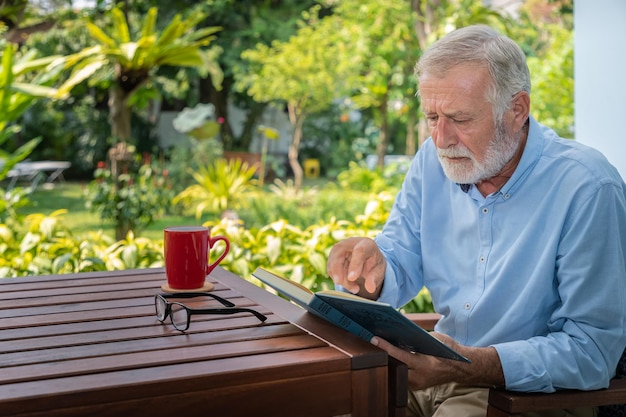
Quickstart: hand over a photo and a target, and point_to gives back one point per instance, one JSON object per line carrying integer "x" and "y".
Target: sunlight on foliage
{"x": 220, "y": 186}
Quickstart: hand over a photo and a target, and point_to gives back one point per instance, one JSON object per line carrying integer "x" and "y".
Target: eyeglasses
{"x": 180, "y": 314}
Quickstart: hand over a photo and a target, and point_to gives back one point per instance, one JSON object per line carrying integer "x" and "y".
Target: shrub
{"x": 220, "y": 186}
{"x": 360, "y": 177}
{"x": 301, "y": 254}
{"x": 133, "y": 200}
{"x": 49, "y": 247}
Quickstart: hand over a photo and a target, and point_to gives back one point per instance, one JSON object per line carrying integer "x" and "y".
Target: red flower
{"x": 101, "y": 164}
{"x": 220, "y": 120}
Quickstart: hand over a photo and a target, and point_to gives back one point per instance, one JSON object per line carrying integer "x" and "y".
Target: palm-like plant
{"x": 219, "y": 186}
{"x": 23, "y": 80}
{"x": 134, "y": 62}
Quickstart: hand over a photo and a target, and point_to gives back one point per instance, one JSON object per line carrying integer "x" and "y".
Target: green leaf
{"x": 274, "y": 246}
{"x": 130, "y": 256}
{"x": 120, "y": 26}
{"x": 318, "y": 262}
{"x": 100, "y": 36}
{"x": 149, "y": 23}
{"x": 171, "y": 32}
{"x": 59, "y": 262}
{"x": 30, "y": 241}
{"x": 35, "y": 90}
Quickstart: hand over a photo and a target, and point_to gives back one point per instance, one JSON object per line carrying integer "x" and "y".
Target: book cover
{"x": 360, "y": 316}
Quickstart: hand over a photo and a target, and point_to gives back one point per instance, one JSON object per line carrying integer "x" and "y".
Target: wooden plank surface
{"x": 80, "y": 344}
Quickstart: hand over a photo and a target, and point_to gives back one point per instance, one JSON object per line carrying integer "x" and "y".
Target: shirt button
{"x": 467, "y": 306}
{"x": 482, "y": 259}
{"x": 485, "y": 210}
{"x": 507, "y": 196}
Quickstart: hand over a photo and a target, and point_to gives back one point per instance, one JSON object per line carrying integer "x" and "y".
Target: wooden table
{"x": 89, "y": 344}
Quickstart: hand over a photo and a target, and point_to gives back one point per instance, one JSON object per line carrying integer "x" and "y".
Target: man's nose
{"x": 443, "y": 134}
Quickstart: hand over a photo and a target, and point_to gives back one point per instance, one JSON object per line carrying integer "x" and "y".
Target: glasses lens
{"x": 180, "y": 316}
{"x": 161, "y": 307}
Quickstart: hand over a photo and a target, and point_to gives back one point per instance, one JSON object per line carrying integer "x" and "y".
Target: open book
{"x": 360, "y": 316}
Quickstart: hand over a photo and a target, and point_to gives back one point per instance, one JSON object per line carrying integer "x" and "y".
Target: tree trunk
{"x": 119, "y": 155}
{"x": 219, "y": 98}
{"x": 120, "y": 160}
{"x": 426, "y": 22}
{"x": 119, "y": 114}
{"x": 411, "y": 126}
{"x": 253, "y": 115}
{"x": 422, "y": 130}
{"x": 425, "y": 25}
{"x": 383, "y": 143}
{"x": 122, "y": 227}
{"x": 297, "y": 121}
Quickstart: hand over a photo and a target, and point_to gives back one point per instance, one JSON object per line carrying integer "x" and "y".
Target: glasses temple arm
{"x": 223, "y": 301}
{"x": 230, "y": 310}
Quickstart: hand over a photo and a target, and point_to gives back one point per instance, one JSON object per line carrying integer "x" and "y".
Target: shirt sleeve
{"x": 587, "y": 330}
{"x": 400, "y": 244}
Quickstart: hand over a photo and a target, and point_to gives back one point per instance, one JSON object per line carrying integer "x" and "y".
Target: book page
{"x": 293, "y": 290}
{"x": 348, "y": 295}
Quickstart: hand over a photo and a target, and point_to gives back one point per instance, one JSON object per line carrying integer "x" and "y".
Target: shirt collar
{"x": 530, "y": 156}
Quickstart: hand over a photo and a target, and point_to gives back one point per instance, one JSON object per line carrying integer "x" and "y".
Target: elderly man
{"x": 519, "y": 235}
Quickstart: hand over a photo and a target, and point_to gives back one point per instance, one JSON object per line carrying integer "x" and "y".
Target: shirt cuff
{"x": 390, "y": 291}
{"x": 523, "y": 368}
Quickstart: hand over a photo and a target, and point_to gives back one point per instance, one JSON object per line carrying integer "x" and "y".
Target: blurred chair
{"x": 34, "y": 172}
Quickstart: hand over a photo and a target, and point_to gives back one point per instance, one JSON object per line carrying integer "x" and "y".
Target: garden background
{"x": 89, "y": 86}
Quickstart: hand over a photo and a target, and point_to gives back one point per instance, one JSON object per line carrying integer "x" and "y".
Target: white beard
{"x": 500, "y": 151}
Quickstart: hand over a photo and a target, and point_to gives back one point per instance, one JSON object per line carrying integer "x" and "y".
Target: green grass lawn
{"x": 263, "y": 209}
{"x": 70, "y": 196}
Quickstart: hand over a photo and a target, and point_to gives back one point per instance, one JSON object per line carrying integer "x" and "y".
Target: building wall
{"x": 600, "y": 77}
{"x": 272, "y": 117}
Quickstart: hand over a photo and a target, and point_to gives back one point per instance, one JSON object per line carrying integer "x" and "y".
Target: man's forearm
{"x": 485, "y": 368}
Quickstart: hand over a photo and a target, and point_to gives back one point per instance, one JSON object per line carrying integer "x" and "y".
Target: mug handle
{"x": 212, "y": 241}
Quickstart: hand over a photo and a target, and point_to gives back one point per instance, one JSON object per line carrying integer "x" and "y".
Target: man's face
{"x": 472, "y": 147}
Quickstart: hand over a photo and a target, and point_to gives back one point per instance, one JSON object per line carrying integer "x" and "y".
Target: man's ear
{"x": 520, "y": 110}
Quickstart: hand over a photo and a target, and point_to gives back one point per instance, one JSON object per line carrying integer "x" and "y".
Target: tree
{"x": 546, "y": 34}
{"x": 382, "y": 37}
{"x": 14, "y": 15}
{"x": 131, "y": 66}
{"x": 304, "y": 74}
{"x": 245, "y": 24}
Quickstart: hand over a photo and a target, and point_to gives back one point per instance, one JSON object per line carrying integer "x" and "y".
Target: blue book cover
{"x": 360, "y": 316}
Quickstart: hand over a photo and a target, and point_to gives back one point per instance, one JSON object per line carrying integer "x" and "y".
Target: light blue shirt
{"x": 536, "y": 270}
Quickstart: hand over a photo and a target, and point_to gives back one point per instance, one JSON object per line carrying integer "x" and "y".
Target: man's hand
{"x": 357, "y": 265}
{"x": 427, "y": 371}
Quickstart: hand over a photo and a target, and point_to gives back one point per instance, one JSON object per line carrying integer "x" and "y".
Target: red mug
{"x": 187, "y": 250}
